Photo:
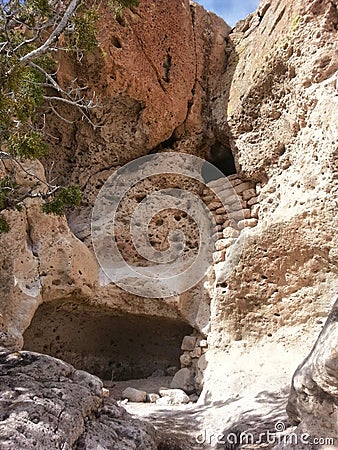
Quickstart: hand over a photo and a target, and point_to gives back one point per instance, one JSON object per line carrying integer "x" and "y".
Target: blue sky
{"x": 230, "y": 10}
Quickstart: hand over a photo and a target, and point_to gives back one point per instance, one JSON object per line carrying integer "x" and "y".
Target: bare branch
{"x": 47, "y": 75}
{"x": 50, "y": 171}
{"x": 54, "y": 35}
{"x": 3, "y": 45}
{"x": 43, "y": 195}
{"x": 28, "y": 41}
{"x": 59, "y": 115}
{"x": 32, "y": 174}
{"x": 5, "y": 155}
{"x": 11, "y": 158}
{"x": 77, "y": 103}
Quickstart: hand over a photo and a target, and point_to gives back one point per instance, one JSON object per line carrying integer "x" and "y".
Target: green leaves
{"x": 29, "y": 95}
{"x": 65, "y": 197}
{"x": 118, "y": 6}
{"x": 85, "y": 31}
{"x": 29, "y": 145}
{"x": 21, "y": 93}
{"x": 32, "y": 35}
{"x": 40, "y": 5}
{"x": 34, "y": 12}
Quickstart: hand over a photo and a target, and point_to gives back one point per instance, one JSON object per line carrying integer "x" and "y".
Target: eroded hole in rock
{"x": 101, "y": 343}
{"x": 116, "y": 42}
{"x": 221, "y": 157}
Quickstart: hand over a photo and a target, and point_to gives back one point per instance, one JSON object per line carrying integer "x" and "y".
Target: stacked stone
{"x": 242, "y": 204}
{"x": 243, "y": 213}
{"x": 193, "y": 363}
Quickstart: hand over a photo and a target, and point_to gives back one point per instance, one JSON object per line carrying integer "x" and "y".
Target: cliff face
{"x": 313, "y": 400}
{"x": 152, "y": 75}
{"x": 174, "y": 77}
{"x": 279, "y": 107}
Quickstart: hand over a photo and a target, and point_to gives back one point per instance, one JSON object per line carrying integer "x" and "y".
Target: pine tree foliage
{"x": 66, "y": 196}
{"x": 32, "y": 35}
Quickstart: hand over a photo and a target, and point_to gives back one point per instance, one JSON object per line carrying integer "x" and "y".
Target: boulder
{"x": 185, "y": 359}
{"x": 151, "y": 398}
{"x": 188, "y": 343}
{"x": 172, "y": 397}
{"x": 313, "y": 401}
{"x": 46, "y": 403}
{"x": 193, "y": 398}
{"x": 184, "y": 380}
{"x": 134, "y": 395}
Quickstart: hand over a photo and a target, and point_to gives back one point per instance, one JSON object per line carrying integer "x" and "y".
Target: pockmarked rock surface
{"x": 171, "y": 76}
{"x": 152, "y": 78}
{"x": 45, "y": 262}
{"x": 313, "y": 402}
{"x": 277, "y": 100}
{"x": 46, "y": 403}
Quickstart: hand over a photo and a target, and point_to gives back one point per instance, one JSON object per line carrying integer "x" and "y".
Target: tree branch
{"x": 53, "y": 36}
{"x": 59, "y": 115}
{"x": 76, "y": 103}
{"x": 47, "y": 75}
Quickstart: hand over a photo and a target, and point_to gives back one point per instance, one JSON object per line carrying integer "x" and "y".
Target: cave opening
{"x": 221, "y": 157}
{"x": 106, "y": 344}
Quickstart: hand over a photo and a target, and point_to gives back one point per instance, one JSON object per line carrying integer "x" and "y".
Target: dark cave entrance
{"x": 222, "y": 158}
{"x": 100, "y": 342}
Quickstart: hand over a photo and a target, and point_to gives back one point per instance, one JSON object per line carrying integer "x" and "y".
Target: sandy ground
{"x": 173, "y": 422}
{"x": 193, "y": 425}
{"x": 151, "y": 385}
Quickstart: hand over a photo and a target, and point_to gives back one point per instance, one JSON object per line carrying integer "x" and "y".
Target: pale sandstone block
{"x": 248, "y": 194}
{"x": 218, "y": 256}
{"x": 247, "y": 223}
{"x": 223, "y": 244}
{"x": 255, "y": 211}
{"x": 252, "y": 201}
{"x": 244, "y": 186}
{"x": 230, "y": 232}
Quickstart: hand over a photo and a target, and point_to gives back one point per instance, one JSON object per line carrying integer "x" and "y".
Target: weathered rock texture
{"x": 313, "y": 402}
{"x": 278, "y": 101}
{"x": 46, "y": 403}
{"x": 45, "y": 262}
{"x": 171, "y": 76}
{"x": 296, "y": 236}
{"x": 153, "y": 76}
{"x": 118, "y": 347}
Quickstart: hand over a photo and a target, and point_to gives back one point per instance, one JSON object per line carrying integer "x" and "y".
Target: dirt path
{"x": 151, "y": 385}
{"x": 177, "y": 423}
{"x": 191, "y": 426}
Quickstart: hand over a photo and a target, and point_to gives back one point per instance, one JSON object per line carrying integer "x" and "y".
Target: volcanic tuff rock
{"x": 314, "y": 394}
{"x": 171, "y": 76}
{"x": 46, "y": 403}
{"x": 153, "y": 74}
{"x": 279, "y": 91}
